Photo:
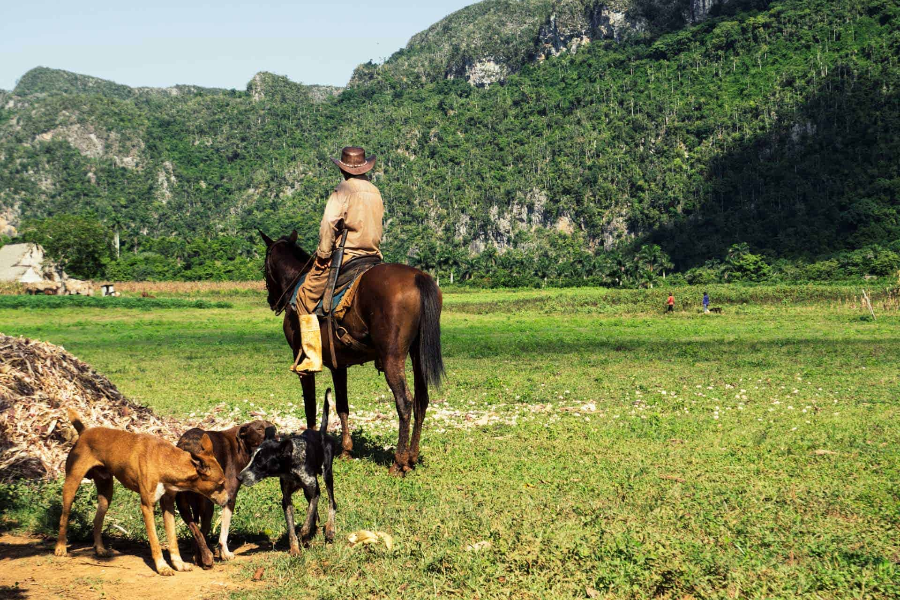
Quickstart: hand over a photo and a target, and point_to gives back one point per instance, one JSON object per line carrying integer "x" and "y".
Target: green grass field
{"x": 602, "y": 448}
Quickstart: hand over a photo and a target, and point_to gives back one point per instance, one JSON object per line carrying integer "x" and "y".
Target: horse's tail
{"x": 430, "y": 357}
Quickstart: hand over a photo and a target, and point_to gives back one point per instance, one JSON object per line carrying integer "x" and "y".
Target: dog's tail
{"x": 76, "y": 420}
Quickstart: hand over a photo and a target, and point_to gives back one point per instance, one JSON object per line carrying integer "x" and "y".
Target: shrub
{"x": 80, "y": 245}
{"x": 146, "y": 266}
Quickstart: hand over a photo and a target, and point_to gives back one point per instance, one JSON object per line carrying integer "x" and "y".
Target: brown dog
{"x": 145, "y": 464}
{"x": 232, "y": 448}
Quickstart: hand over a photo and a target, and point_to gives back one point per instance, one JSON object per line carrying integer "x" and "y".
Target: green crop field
{"x": 603, "y": 448}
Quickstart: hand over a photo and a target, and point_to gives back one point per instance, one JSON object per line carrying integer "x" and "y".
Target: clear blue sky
{"x": 216, "y": 44}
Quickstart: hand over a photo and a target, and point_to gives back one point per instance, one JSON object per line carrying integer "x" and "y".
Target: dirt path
{"x": 29, "y": 570}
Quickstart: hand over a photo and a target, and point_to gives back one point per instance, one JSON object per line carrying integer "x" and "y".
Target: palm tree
{"x": 650, "y": 261}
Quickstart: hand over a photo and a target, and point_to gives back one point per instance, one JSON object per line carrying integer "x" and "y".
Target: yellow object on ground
{"x": 478, "y": 546}
{"x": 365, "y": 537}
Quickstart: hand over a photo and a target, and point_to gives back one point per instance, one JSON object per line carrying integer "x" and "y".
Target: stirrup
{"x": 303, "y": 372}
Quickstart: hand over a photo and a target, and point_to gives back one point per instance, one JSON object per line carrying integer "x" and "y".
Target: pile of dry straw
{"x": 38, "y": 382}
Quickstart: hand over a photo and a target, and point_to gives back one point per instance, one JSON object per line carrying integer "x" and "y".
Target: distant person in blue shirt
{"x": 706, "y": 302}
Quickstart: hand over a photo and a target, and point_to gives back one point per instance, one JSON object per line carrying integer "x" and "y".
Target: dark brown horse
{"x": 396, "y": 312}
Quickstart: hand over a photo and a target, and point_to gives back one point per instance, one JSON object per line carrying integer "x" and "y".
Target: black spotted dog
{"x": 298, "y": 460}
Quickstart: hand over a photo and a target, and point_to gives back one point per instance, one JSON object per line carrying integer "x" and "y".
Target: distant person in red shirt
{"x": 670, "y": 303}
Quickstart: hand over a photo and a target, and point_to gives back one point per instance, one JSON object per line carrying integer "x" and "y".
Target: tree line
{"x": 778, "y": 129}
{"x": 85, "y": 248}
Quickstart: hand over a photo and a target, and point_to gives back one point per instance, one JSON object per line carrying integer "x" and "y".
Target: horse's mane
{"x": 298, "y": 252}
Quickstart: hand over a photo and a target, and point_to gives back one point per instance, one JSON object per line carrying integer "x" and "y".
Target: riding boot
{"x": 311, "y": 340}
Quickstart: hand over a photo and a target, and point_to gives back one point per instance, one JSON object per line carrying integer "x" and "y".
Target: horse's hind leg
{"x": 339, "y": 376}
{"x": 395, "y": 373}
{"x": 420, "y": 406}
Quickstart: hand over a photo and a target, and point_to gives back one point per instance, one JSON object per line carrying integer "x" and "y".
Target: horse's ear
{"x": 293, "y": 237}
{"x": 265, "y": 238}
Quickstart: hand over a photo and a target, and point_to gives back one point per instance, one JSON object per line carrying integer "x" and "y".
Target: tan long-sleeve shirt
{"x": 357, "y": 204}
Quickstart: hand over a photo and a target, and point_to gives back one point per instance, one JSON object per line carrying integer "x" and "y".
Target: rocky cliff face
{"x": 278, "y": 88}
{"x": 573, "y": 24}
{"x": 485, "y": 72}
{"x": 486, "y": 42}
{"x": 5, "y": 227}
{"x": 699, "y": 9}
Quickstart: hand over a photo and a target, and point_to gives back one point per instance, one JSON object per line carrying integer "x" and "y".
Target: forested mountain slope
{"x": 485, "y": 42}
{"x": 777, "y": 127}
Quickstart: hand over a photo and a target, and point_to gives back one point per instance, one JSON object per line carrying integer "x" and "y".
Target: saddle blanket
{"x": 348, "y": 278}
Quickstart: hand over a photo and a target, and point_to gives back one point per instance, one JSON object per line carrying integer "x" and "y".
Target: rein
{"x": 278, "y": 307}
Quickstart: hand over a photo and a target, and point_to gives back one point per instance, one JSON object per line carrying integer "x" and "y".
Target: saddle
{"x": 348, "y": 275}
{"x": 343, "y": 285}
{"x": 339, "y": 291}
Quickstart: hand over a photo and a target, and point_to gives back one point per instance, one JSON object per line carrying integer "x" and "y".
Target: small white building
{"x": 22, "y": 263}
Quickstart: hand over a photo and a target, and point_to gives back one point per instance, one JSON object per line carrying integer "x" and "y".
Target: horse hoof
{"x": 396, "y": 470}
{"x": 345, "y": 456}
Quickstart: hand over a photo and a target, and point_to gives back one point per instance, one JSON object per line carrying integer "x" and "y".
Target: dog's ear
{"x": 200, "y": 465}
{"x": 293, "y": 237}
{"x": 206, "y": 444}
{"x": 270, "y": 432}
{"x": 286, "y": 449}
{"x": 253, "y": 433}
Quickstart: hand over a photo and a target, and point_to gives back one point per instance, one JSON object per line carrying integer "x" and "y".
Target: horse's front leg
{"x": 309, "y": 399}
{"x": 291, "y": 326}
{"x": 339, "y": 376}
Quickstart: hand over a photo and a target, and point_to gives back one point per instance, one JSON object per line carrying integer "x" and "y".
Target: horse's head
{"x": 284, "y": 263}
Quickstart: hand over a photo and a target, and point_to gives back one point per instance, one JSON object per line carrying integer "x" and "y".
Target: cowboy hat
{"x": 353, "y": 160}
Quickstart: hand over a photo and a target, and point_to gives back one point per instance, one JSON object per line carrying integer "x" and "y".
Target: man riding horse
{"x": 390, "y": 312}
{"x": 356, "y": 207}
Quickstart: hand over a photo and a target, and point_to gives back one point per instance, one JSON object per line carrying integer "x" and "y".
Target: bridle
{"x": 278, "y": 307}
